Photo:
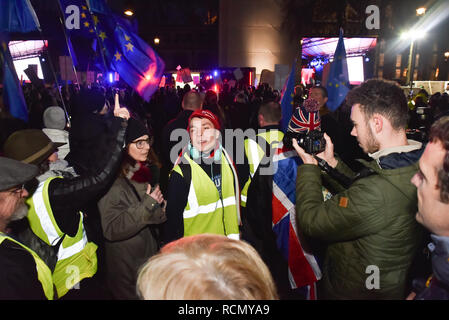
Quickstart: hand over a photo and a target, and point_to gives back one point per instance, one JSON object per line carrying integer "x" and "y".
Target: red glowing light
{"x": 147, "y": 78}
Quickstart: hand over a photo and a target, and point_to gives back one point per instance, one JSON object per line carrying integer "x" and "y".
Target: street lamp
{"x": 128, "y": 12}
{"x": 157, "y": 40}
{"x": 421, "y": 11}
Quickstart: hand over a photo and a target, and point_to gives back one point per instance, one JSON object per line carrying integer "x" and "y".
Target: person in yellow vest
{"x": 203, "y": 190}
{"x": 23, "y": 275}
{"x": 54, "y": 204}
{"x": 269, "y": 135}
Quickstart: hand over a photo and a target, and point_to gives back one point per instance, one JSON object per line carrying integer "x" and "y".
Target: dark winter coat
{"x": 437, "y": 287}
{"x": 128, "y": 217}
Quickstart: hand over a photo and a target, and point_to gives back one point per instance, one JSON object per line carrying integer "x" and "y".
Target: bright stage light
{"x": 413, "y": 35}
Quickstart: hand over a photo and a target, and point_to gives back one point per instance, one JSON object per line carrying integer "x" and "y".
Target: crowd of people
{"x": 106, "y": 196}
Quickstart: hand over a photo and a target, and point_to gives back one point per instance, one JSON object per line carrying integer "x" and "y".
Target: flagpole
{"x": 57, "y": 85}
{"x": 67, "y": 43}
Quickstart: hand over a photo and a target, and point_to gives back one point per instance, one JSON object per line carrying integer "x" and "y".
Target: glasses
{"x": 140, "y": 144}
{"x": 18, "y": 190}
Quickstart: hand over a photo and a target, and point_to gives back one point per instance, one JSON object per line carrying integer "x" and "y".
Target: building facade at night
{"x": 269, "y": 32}
{"x": 264, "y": 34}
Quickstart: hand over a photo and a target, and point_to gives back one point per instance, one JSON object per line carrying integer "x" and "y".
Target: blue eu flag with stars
{"x": 338, "y": 79}
{"x": 134, "y": 60}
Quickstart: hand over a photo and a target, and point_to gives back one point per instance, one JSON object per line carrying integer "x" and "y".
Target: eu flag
{"x": 287, "y": 99}
{"x": 338, "y": 79}
{"x": 18, "y": 16}
{"x": 77, "y": 19}
{"x": 12, "y": 92}
{"x": 135, "y": 61}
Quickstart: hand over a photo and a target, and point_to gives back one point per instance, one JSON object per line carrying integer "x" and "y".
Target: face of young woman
{"x": 139, "y": 148}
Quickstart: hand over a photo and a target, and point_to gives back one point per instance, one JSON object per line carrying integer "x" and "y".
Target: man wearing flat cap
{"x": 54, "y": 214}
{"x": 23, "y": 275}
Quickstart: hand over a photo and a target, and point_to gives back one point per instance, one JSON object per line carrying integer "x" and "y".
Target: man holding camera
{"x": 370, "y": 229}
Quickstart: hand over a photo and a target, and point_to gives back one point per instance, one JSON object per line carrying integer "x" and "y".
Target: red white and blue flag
{"x": 304, "y": 121}
{"x": 303, "y": 268}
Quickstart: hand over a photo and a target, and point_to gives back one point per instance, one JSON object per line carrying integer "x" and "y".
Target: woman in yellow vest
{"x": 203, "y": 190}
{"x": 23, "y": 275}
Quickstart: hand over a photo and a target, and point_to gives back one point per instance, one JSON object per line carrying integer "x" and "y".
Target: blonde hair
{"x": 206, "y": 267}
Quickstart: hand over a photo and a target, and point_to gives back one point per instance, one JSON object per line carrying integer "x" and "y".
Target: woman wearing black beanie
{"x": 130, "y": 213}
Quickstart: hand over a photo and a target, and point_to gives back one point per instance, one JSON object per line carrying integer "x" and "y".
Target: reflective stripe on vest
{"x": 40, "y": 217}
{"x": 43, "y": 272}
{"x": 71, "y": 246}
{"x": 77, "y": 259}
{"x": 205, "y": 212}
{"x": 255, "y": 154}
{"x": 76, "y": 256}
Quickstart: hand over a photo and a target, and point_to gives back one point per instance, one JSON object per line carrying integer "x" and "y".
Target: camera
{"x": 312, "y": 142}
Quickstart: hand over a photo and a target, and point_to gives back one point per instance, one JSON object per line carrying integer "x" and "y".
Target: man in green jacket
{"x": 370, "y": 227}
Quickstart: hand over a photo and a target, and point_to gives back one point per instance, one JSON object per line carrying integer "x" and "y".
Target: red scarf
{"x": 140, "y": 173}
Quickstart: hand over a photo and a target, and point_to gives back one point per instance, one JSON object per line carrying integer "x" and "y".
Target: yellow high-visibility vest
{"x": 43, "y": 271}
{"x": 77, "y": 258}
{"x": 254, "y": 153}
{"x": 206, "y": 211}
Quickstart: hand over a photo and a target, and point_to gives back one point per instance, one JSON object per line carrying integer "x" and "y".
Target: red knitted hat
{"x": 207, "y": 115}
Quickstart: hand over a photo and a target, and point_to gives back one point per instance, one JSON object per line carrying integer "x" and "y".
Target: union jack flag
{"x": 303, "y": 268}
{"x": 304, "y": 121}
